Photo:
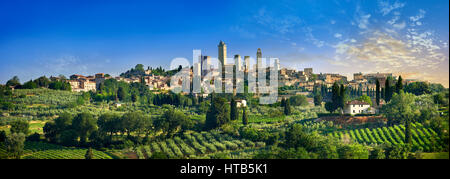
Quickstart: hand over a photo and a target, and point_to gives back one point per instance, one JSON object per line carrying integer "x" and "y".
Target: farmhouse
{"x": 241, "y": 103}
{"x": 357, "y": 107}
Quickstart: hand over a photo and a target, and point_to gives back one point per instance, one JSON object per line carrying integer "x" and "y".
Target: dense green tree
{"x": 5, "y": 91}
{"x": 377, "y": 153}
{"x": 50, "y": 131}
{"x": 399, "y": 84}
{"x": 145, "y": 125}
{"x": 139, "y": 67}
{"x": 108, "y": 123}
{"x": 342, "y": 97}
{"x": 121, "y": 93}
{"x": 42, "y": 82}
{"x": 244, "y": 116}
{"x": 14, "y": 81}
{"x": 233, "y": 110}
{"x": 63, "y": 122}
{"x": 84, "y": 124}
{"x": 377, "y": 99}
{"x": 296, "y": 137}
{"x": 14, "y": 144}
{"x": 29, "y": 85}
{"x": 335, "y": 98}
{"x": 134, "y": 97}
{"x": 283, "y": 102}
{"x": 20, "y": 126}
{"x": 218, "y": 113}
{"x": 388, "y": 89}
{"x": 2, "y": 136}
{"x": 329, "y": 107}
{"x": 173, "y": 121}
{"x": 441, "y": 98}
{"x": 60, "y": 85}
{"x": 353, "y": 151}
{"x": 317, "y": 99}
{"x": 203, "y": 107}
{"x": 397, "y": 152}
{"x": 298, "y": 100}
{"x": 408, "y": 134}
{"x": 68, "y": 137}
{"x": 128, "y": 122}
{"x": 437, "y": 88}
{"x": 287, "y": 108}
{"x": 418, "y": 88}
{"x": 366, "y": 99}
{"x": 400, "y": 108}
{"x": 36, "y": 137}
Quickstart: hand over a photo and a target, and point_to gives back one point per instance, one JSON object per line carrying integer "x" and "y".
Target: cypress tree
{"x": 89, "y": 154}
{"x": 287, "y": 108}
{"x": 233, "y": 109}
{"x": 378, "y": 92}
{"x": 399, "y": 85}
{"x": 408, "y": 135}
{"x": 342, "y": 96}
{"x": 388, "y": 90}
{"x": 121, "y": 93}
{"x": 244, "y": 116}
{"x": 335, "y": 96}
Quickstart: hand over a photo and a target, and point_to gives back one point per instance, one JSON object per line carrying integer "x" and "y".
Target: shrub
{"x": 34, "y": 137}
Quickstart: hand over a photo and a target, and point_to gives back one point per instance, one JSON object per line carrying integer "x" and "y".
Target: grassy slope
{"x": 42, "y": 150}
{"x": 439, "y": 155}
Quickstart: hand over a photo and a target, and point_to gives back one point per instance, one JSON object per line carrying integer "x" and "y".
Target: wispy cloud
{"x": 386, "y": 7}
{"x": 243, "y": 32}
{"x": 363, "y": 21}
{"x": 416, "y": 19}
{"x": 311, "y": 38}
{"x": 64, "y": 64}
{"x": 281, "y": 24}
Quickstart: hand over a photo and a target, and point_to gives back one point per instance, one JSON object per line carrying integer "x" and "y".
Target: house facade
{"x": 357, "y": 107}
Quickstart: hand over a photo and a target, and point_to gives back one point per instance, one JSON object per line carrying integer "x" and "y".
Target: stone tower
{"x": 258, "y": 68}
{"x": 222, "y": 53}
{"x": 258, "y": 58}
{"x": 246, "y": 63}
{"x": 238, "y": 62}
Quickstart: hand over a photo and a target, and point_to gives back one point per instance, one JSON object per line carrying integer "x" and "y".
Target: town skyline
{"x": 343, "y": 37}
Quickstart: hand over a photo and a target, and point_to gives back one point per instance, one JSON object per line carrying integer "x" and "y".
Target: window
{"x": 353, "y": 111}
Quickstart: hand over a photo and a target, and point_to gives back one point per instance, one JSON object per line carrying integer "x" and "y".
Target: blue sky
{"x": 409, "y": 38}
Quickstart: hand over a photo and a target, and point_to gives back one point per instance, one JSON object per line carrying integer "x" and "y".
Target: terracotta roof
{"x": 357, "y": 102}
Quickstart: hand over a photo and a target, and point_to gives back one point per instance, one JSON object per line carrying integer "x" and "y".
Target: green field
{"x": 35, "y": 126}
{"x": 41, "y": 150}
{"x": 197, "y": 145}
{"x": 423, "y": 138}
{"x": 440, "y": 155}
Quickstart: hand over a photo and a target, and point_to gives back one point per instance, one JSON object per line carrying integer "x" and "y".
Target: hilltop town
{"x": 138, "y": 115}
{"x": 291, "y": 82}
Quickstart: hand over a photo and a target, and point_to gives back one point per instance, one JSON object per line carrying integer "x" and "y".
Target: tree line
{"x": 41, "y": 82}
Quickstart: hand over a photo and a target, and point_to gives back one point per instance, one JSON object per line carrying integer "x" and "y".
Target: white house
{"x": 241, "y": 103}
{"x": 357, "y": 107}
